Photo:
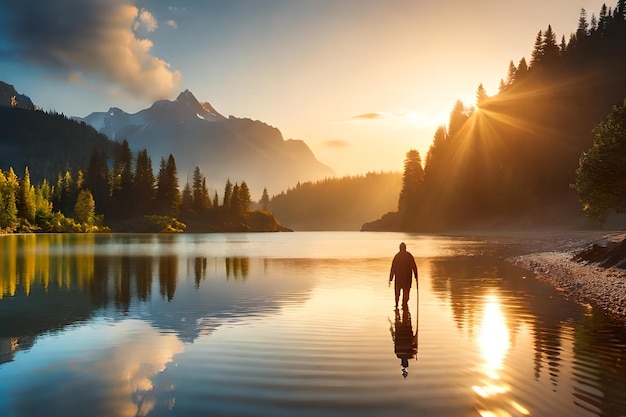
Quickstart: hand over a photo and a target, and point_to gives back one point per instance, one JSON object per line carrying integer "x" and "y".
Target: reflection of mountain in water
{"x": 52, "y": 282}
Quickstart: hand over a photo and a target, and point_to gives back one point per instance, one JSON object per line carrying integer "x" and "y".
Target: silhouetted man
{"x": 403, "y": 267}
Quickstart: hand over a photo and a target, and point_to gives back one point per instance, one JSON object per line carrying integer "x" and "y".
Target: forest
{"x": 511, "y": 160}
{"x": 337, "y": 203}
{"x": 126, "y": 196}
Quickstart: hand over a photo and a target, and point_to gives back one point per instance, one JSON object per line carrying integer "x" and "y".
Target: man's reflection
{"x": 404, "y": 340}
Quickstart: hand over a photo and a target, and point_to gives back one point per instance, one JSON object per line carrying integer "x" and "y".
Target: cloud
{"x": 93, "y": 38}
{"x": 368, "y": 116}
{"x": 336, "y": 144}
{"x": 172, "y": 23}
{"x": 400, "y": 119}
{"x": 147, "y": 21}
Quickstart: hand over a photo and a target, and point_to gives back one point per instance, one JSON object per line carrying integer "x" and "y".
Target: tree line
{"x": 336, "y": 203}
{"x": 511, "y": 159}
{"x": 126, "y": 194}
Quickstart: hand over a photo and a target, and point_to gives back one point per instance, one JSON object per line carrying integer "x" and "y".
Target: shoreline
{"x": 585, "y": 282}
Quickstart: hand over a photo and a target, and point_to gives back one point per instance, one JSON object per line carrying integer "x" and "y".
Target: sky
{"x": 360, "y": 81}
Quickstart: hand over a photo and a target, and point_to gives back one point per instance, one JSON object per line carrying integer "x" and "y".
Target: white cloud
{"x": 147, "y": 20}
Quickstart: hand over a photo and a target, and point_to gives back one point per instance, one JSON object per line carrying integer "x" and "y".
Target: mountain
{"x": 197, "y": 135}
{"x": 7, "y": 92}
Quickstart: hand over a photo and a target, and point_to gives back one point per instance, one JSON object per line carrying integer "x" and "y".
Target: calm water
{"x": 293, "y": 324}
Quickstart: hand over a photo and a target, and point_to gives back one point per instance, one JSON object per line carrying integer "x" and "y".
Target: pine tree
{"x": 65, "y": 194}
{"x": 84, "y": 209}
{"x": 583, "y": 26}
{"x": 26, "y": 199}
{"x": 121, "y": 184}
{"x": 168, "y": 196}
{"x": 228, "y": 193}
{"x": 216, "y": 201}
{"x": 200, "y": 193}
{"x": 458, "y": 117}
{"x": 244, "y": 197}
{"x": 187, "y": 203}
{"x": 265, "y": 200}
{"x": 512, "y": 74}
{"x": 43, "y": 199}
{"x": 9, "y": 187}
{"x": 481, "y": 95}
{"x": 537, "y": 54}
{"x": 522, "y": 70}
{"x": 550, "y": 49}
{"x": 206, "y": 199}
{"x": 235, "y": 201}
{"x": 411, "y": 183}
{"x": 144, "y": 183}
{"x": 97, "y": 179}
{"x": 197, "y": 188}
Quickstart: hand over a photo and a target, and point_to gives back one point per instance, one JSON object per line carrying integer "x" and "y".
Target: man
{"x": 403, "y": 267}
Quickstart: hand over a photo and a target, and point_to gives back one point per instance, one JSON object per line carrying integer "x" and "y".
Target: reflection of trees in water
{"x": 199, "y": 270}
{"x": 599, "y": 370}
{"x": 237, "y": 267}
{"x": 168, "y": 274}
{"x": 600, "y": 390}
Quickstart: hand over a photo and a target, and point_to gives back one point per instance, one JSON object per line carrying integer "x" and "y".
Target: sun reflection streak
{"x": 494, "y": 338}
{"x": 494, "y": 344}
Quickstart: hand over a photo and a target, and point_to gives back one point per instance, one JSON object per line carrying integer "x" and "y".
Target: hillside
{"x": 337, "y": 203}
{"x": 48, "y": 144}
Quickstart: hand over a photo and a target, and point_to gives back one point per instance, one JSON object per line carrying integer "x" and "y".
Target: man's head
{"x": 403, "y": 247}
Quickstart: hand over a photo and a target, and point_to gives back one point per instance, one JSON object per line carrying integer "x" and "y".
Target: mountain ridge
{"x": 196, "y": 134}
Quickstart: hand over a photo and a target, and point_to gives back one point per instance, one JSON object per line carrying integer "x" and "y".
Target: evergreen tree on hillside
{"x": 522, "y": 70}
{"x": 97, "y": 179}
{"x": 186, "y": 204}
{"x": 228, "y": 193}
{"x": 200, "y": 192}
{"x": 550, "y": 49}
{"x": 65, "y": 194}
{"x": 537, "y": 54}
{"x": 265, "y": 200}
{"x": 244, "y": 197}
{"x": 168, "y": 198}
{"x": 412, "y": 180}
{"x": 205, "y": 198}
{"x": 144, "y": 183}
{"x": 235, "y": 201}
{"x": 84, "y": 209}
{"x": 26, "y": 199}
{"x": 121, "y": 183}
{"x": 458, "y": 117}
{"x": 9, "y": 186}
{"x": 481, "y": 95}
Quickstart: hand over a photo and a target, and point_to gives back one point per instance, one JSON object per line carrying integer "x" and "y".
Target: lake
{"x": 293, "y": 324}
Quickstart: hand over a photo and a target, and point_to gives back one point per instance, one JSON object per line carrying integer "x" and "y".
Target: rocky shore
{"x": 573, "y": 266}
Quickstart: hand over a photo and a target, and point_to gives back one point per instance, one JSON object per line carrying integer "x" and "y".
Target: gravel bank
{"x": 585, "y": 282}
